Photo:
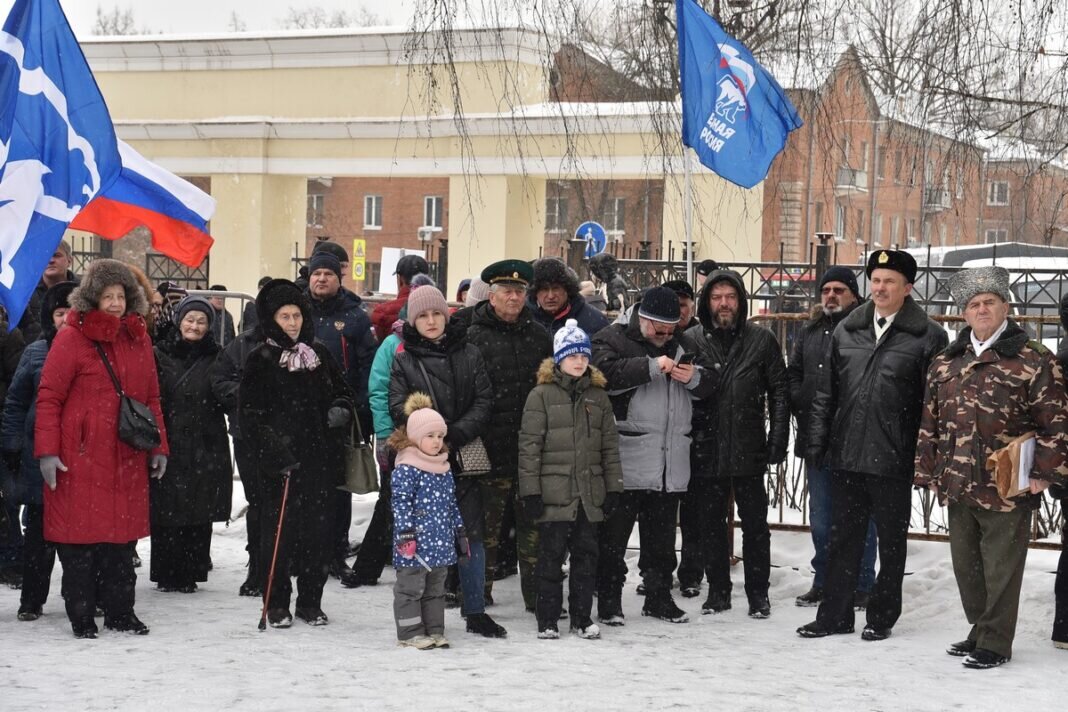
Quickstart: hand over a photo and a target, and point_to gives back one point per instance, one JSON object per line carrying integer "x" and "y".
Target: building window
{"x": 556, "y": 214}
{"x": 864, "y": 156}
{"x": 997, "y": 193}
{"x": 372, "y": 212}
{"x": 877, "y": 231}
{"x": 942, "y": 235}
{"x": 315, "y": 210}
{"x": 895, "y": 226}
{"x": 999, "y": 234}
{"x": 880, "y": 162}
{"x": 614, "y": 215}
{"x": 899, "y": 164}
{"x": 433, "y": 207}
{"x": 910, "y": 231}
{"x": 839, "y": 222}
{"x": 860, "y": 226}
{"x": 927, "y": 233}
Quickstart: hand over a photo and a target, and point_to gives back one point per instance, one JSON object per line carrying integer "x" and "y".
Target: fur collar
{"x": 1008, "y": 345}
{"x": 547, "y": 374}
{"x": 911, "y": 318}
{"x": 100, "y": 326}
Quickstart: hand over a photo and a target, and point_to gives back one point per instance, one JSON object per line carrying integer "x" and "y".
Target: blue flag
{"x": 57, "y": 143}
{"x": 734, "y": 114}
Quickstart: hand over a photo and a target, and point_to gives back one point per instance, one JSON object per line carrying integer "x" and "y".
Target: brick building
{"x": 410, "y": 213}
{"x": 1025, "y": 196}
{"x": 864, "y": 170}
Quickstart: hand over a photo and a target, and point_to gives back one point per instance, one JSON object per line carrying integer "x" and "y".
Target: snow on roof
{"x": 1012, "y": 150}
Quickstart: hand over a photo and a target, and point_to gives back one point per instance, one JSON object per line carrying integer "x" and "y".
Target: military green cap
{"x": 514, "y": 272}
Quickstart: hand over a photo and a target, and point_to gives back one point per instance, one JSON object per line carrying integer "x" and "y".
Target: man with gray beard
{"x": 839, "y": 296}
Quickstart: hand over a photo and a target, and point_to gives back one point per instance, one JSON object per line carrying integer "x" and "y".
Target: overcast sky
{"x": 198, "y": 16}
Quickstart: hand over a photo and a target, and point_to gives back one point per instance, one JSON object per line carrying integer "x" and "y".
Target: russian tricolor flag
{"x": 174, "y": 210}
{"x": 62, "y": 165}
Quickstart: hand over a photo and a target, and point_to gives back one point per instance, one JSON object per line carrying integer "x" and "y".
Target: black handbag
{"x": 361, "y": 469}
{"x": 137, "y": 424}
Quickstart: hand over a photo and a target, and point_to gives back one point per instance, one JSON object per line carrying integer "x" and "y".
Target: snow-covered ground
{"x": 204, "y": 652}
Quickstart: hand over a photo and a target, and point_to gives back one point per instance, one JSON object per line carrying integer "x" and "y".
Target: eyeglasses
{"x": 838, "y": 291}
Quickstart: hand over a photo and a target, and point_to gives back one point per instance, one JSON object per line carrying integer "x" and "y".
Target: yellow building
{"x": 260, "y": 114}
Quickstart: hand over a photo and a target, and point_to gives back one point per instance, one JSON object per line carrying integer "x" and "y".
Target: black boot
{"x": 661, "y": 605}
{"x": 482, "y": 624}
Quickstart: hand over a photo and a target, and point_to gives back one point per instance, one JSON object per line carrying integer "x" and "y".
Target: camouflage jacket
{"x": 974, "y": 406}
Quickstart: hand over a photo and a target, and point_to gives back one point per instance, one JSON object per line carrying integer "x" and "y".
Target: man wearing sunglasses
{"x": 839, "y": 296}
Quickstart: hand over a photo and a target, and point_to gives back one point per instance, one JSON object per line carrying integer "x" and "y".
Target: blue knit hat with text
{"x": 570, "y": 340}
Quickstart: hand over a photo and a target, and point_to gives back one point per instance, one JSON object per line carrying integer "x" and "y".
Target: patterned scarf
{"x": 299, "y": 358}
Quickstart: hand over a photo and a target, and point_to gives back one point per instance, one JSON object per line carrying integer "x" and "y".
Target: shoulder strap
{"x": 426, "y": 377}
{"x": 107, "y": 365}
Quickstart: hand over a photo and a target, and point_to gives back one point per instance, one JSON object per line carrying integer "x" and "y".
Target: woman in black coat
{"x": 456, "y": 380}
{"x": 199, "y": 481}
{"x": 294, "y": 411}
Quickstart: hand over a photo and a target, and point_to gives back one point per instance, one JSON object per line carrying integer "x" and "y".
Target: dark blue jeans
{"x": 819, "y": 515}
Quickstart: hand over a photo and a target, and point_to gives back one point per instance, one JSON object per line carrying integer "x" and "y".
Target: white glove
{"x": 157, "y": 466}
{"x": 49, "y": 465}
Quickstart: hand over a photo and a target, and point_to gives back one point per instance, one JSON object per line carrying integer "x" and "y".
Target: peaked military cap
{"x": 513, "y": 272}
{"x": 897, "y": 260}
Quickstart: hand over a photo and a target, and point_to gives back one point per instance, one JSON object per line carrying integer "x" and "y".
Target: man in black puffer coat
{"x": 731, "y": 447}
{"x": 345, "y": 329}
{"x": 839, "y": 296}
{"x": 1060, "y": 587}
{"x": 553, "y": 298}
{"x": 513, "y": 346}
{"x": 865, "y": 418}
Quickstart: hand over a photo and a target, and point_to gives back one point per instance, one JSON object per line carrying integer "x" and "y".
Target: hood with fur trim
{"x": 546, "y": 374}
{"x": 103, "y": 273}
{"x": 552, "y": 270}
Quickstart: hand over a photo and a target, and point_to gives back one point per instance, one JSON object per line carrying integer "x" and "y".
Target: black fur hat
{"x": 276, "y": 294}
{"x": 552, "y": 270}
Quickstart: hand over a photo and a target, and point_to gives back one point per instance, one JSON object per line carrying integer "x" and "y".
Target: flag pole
{"x": 687, "y": 213}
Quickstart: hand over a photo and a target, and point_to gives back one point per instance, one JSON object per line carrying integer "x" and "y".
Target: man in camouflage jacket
{"x": 987, "y": 388}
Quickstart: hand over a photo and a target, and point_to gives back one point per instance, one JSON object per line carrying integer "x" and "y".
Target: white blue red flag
{"x": 61, "y": 164}
{"x": 734, "y": 114}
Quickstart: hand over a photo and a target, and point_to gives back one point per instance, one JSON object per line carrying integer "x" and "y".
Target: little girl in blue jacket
{"x": 428, "y": 531}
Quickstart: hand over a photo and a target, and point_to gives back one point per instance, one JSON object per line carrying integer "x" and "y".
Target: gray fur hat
{"x": 964, "y": 285}
{"x": 552, "y": 270}
{"x": 103, "y": 273}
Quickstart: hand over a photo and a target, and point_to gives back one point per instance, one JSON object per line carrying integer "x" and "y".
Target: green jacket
{"x": 568, "y": 445}
{"x": 378, "y": 386}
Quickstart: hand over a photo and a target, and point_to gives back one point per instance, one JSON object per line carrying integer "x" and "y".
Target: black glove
{"x": 611, "y": 501}
{"x": 533, "y": 506}
{"x": 338, "y": 417}
{"x": 463, "y": 547}
{"x": 13, "y": 461}
{"x": 776, "y": 455}
{"x": 814, "y": 457}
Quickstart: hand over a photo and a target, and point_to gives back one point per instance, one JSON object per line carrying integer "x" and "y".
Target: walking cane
{"x": 274, "y": 556}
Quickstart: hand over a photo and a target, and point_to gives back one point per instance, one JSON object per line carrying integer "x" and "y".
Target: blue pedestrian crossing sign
{"x": 594, "y": 236}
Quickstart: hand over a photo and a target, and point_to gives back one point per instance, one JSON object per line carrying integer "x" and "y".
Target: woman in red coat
{"x": 96, "y": 486}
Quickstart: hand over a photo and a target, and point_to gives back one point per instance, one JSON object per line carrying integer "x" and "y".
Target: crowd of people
{"x": 524, "y": 411}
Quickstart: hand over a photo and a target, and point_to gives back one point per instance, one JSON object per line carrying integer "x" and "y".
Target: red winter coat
{"x": 386, "y": 313}
{"x": 103, "y": 495}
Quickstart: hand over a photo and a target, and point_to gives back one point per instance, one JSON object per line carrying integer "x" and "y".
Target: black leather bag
{"x": 137, "y": 424}
{"x": 361, "y": 469}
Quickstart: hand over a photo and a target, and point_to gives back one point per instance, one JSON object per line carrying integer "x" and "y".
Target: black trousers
{"x": 180, "y": 555}
{"x": 711, "y": 496}
{"x": 856, "y": 498}
{"x": 83, "y": 565}
{"x": 304, "y": 549}
{"x": 250, "y": 482}
{"x": 38, "y": 559}
{"x": 1060, "y": 587}
{"x": 692, "y": 557}
{"x": 376, "y": 551}
{"x": 555, "y": 540}
{"x": 655, "y": 513}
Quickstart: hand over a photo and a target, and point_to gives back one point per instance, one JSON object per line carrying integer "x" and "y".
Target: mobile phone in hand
{"x": 686, "y": 359}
